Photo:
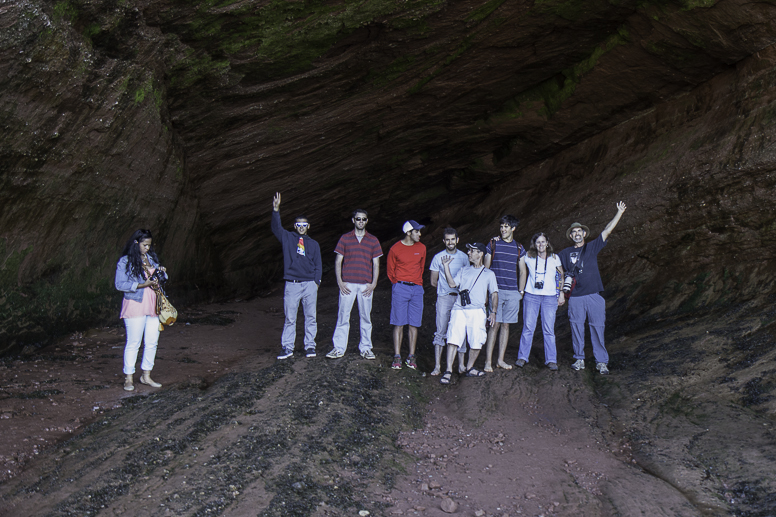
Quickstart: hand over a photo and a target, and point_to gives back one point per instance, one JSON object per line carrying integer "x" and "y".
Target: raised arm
{"x": 277, "y": 227}
{"x": 614, "y": 221}
{"x": 448, "y": 276}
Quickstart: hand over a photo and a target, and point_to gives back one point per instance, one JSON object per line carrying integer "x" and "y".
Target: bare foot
{"x": 461, "y": 369}
{"x": 436, "y": 371}
{"x": 488, "y": 369}
{"x": 502, "y": 364}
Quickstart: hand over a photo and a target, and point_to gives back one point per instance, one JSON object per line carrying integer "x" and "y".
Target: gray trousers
{"x": 592, "y": 307}
{"x": 444, "y": 305}
{"x": 307, "y": 293}
{"x": 340, "y": 338}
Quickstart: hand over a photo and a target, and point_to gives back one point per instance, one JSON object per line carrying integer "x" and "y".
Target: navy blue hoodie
{"x": 295, "y": 265}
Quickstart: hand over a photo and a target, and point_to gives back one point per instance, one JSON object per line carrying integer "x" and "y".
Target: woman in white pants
{"x": 136, "y": 273}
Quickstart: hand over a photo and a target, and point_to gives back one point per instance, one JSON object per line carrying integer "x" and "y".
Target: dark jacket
{"x": 296, "y": 266}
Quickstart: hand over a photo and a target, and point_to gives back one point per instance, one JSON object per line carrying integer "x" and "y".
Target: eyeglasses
{"x": 301, "y": 225}
{"x": 361, "y": 219}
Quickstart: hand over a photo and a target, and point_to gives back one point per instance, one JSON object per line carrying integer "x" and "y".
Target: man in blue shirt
{"x": 502, "y": 257}
{"x": 446, "y": 295}
{"x": 585, "y": 301}
{"x": 302, "y": 273}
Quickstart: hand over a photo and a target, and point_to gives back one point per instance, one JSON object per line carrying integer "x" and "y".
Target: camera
{"x": 465, "y": 299}
{"x": 539, "y": 285}
{"x": 160, "y": 276}
{"x": 568, "y": 282}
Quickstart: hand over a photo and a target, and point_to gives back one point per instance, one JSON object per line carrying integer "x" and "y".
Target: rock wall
{"x": 186, "y": 117}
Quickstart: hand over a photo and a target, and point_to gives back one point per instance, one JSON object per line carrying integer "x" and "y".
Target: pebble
{"x": 363, "y": 513}
{"x": 448, "y": 505}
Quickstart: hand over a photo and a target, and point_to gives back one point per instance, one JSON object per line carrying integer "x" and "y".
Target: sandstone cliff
{"x": 185, "y": 117}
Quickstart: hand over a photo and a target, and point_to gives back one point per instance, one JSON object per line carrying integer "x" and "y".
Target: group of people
{"x": 478, "y": 292}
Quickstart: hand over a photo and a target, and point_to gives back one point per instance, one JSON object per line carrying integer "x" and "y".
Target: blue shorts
{"x": 406, "y": 304}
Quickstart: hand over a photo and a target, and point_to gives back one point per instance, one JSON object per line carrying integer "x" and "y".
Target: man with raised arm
{"x": 502, "y": 256}
{"x": 357, "y": 266}
{"x": 467, "y": 319}
{"x": 302, "y": 273}
{"x": 406, "y": 259}
{"x": 580, "y": 262}
{"x": 446, "y": 295}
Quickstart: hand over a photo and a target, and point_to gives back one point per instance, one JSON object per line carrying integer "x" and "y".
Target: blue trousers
{"x": 592, "y": 307}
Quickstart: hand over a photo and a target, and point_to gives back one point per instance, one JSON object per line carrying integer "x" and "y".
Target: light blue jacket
{"x": 127, "y": 283}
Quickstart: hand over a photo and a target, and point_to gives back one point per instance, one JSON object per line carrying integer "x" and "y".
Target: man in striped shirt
{"x": 502, "y": 257}
{"x": 357, "y": 266}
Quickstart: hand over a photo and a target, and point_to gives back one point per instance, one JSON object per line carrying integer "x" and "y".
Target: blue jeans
{"x": 532, "y": 305}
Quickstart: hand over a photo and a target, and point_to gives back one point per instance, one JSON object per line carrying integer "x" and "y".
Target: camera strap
{"x": 475, "y": 280}
{"x": 536, "y": 267}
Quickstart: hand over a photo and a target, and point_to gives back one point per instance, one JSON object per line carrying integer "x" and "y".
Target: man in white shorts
{"x": 467, "y": 319}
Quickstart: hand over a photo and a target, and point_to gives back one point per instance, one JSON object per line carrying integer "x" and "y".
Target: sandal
{"x": 474, "y": 373}
{"x": 446, "y": 378}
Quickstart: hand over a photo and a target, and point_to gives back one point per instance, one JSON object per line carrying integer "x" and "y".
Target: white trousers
{"x": 340, "y": 339}
{"x": 136, "y": 328}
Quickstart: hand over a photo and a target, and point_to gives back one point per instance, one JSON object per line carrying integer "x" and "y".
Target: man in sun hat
{"x": 406, "y": 260}
{"x": 302, "y": 273}
{"x": 580, "y": 263}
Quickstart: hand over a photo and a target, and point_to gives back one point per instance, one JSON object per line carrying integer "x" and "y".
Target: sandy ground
{"x": 521, "y": 442}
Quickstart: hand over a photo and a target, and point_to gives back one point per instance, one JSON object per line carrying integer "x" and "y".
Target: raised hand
{"x": 621, "y": 207}
{"x": 276, "y": 202}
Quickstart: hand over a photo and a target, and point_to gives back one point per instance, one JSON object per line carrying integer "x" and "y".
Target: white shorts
{"x": 467, "y": 324}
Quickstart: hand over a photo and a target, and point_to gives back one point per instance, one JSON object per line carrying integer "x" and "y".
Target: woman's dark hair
{"x": 132, "y": 252}
{"x": 532, "y": 251}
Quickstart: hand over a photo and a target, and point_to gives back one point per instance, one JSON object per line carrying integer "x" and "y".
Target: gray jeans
{"x": 340, "y": 338}
{"x": 307, "y": 293}
{"x": 444, "y": 305}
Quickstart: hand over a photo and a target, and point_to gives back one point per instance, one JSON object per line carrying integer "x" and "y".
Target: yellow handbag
{"x": 167, "y": 313}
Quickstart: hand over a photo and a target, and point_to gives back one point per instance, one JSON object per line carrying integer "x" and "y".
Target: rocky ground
{"x": 235, "y": 432}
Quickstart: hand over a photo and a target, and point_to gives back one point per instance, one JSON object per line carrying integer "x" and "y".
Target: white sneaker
{"x": 602, "y": 368}
{"x": 310, "y": 353}
{"x": 334, "y": 354}
{"x": 579, "y": 365}
{"x": 286, "y": 355}
{"x": 368, "y": 355}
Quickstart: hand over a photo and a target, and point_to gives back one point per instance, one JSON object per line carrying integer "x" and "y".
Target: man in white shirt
{"x": 446, "y": 296}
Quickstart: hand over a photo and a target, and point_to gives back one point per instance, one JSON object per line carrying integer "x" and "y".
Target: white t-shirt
{"x": 543, "y": 271}
{"x": 478, "y": 294}
{"x": 460, "y": 260}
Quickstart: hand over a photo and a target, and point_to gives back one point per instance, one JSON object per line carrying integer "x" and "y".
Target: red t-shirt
{"x": 406, "y": 263}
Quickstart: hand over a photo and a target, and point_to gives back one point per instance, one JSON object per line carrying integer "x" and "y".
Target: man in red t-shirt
{"x": 357, "y": 267}
{"x": 406, "y": 261}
